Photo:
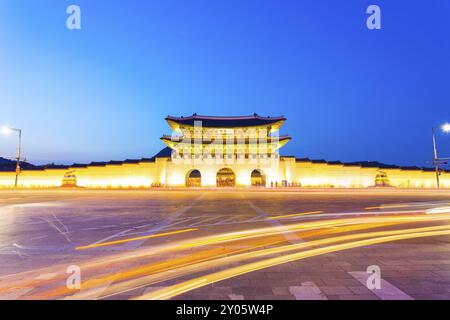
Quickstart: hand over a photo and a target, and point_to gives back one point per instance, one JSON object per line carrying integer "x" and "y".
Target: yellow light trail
{"x": 215, "y": 261}
{"x": 173, "y": 268}
{"x": 104, "y": 244}
{"x": 172, "y": 291}
{"x": 168, "y": 265}
{"x": 388, "y": 206}
{"x": 254, "y": 233}
{"x": 157, "y": 272}
{"x": 262, "y": 232}
{"x": 216, "y": 240}
{"x": 294, "y": 215}
{"x": 200, "y": 264}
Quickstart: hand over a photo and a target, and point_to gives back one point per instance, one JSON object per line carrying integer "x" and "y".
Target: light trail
{"x": 389, "y": 206}
{"x": 168, "y": 265}
{"x": 186, "y": 269}
{"x": 158, "y": 235}
{"x": 220, "y": 262}
{"x": 261, "y": 232}
{"x": 192, "y": 243}
{"x": 174, "y": 265}
{"x": 294, "y": 215}
{"x": 172, "y": 291}
{"x": 245, "y": 235}
{"x": 438, "y": 210}
{"x": 227, "y": 248}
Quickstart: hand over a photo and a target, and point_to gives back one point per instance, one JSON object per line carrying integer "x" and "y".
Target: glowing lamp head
{"x": 446, "y": 127}
{"x": 6, "y": 130}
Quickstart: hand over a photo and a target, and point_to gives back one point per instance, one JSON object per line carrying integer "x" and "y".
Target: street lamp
{"x": 445, "y": 128}
{"x": 8, "y": 130}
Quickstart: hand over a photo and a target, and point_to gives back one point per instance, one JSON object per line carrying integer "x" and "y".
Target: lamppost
{"x": 445, "y": 128}
{"x": 8, "y": 130}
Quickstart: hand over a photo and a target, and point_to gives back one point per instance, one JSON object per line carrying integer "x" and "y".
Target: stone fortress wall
{"x": 162, "y": 172}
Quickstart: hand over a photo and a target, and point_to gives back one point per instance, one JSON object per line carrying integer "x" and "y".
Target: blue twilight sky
{"x": 102, "y": 93}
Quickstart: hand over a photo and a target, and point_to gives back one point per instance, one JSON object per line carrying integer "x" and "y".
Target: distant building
{"x": 206, "y": 151}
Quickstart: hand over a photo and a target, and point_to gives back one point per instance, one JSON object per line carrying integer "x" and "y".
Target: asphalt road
{"x": 225, "y": 244}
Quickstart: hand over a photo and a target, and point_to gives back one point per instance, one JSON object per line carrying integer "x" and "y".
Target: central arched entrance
{"x": 193, "y": 179}
{"x": 258, "y": 178}
{"x": 226, "y": 178}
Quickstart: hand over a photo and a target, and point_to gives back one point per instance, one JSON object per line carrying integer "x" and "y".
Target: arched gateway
{"x": 226, "y": 178}
{"x": 258, "y": 178}
{"x": 193, "y": 179}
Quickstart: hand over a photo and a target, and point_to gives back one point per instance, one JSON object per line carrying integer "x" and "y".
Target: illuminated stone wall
{"x": 140, "y": 175}
{"x": 164, "y": 172}
{"x": 33, "y": 178}
{"x": 309, "y": 174}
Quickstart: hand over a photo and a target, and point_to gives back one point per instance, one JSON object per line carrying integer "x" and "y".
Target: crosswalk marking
{"x": 307, "y": 291}
{"x": 387, "y": 291}
{"x": 233, "y": 296}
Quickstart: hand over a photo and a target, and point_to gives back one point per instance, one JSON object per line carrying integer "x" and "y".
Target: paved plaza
{"x": 225, "y": 244}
